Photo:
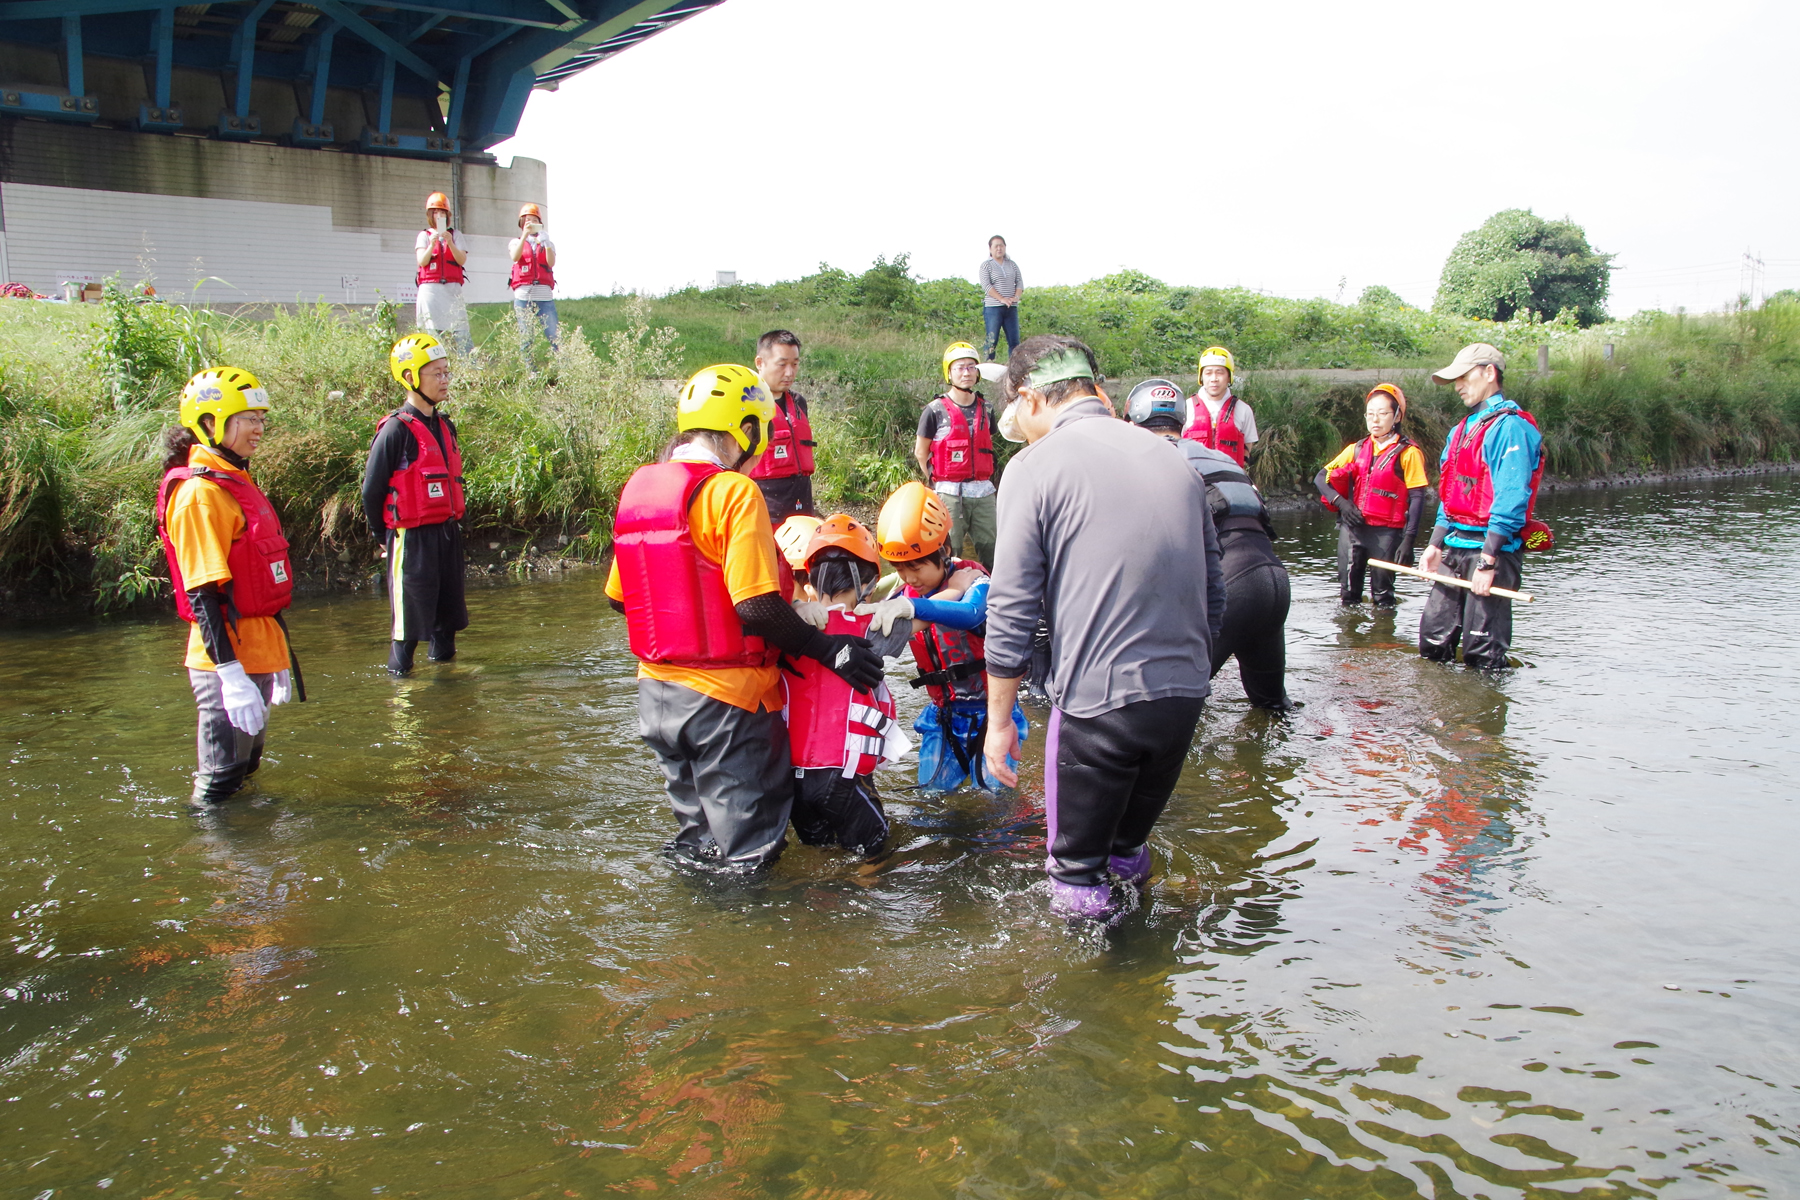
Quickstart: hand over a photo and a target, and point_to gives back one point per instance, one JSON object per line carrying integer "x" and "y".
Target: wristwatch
{"x": 1486, "y": 564}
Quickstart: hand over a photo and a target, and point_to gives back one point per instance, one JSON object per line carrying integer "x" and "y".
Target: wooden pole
{"x": 1452, "y": 580}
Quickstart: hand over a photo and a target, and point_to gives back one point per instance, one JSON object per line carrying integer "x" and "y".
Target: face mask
{"x": 1008, "y": 424}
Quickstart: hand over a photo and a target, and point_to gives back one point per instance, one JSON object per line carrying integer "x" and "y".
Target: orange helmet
{"x": 792, "y": 538}
{"x": 844, "y": 532}
{"x": 532, "y": 211}
{"x": 1393, "y": 390}
{"x": 912, "y": 524}
{"x": 437, "y": 200}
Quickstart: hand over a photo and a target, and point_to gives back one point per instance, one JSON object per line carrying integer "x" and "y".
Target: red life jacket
{"x": 429, "y": 489}
{"x": 1226, "y": 437}
{"x": 531, "y": 267}
{"x": 790, "y": 449}
{"x": 1376, "y": 485}
{"x": 677, "y": 608}
{"x": 441, "y": 266}
{"x": 1466, "y": 487}
{"x": 958, "y": 456}
{"x": 830, "y": 723}
{"x": 262, "y": 581}
{"x": 953, "y": 656}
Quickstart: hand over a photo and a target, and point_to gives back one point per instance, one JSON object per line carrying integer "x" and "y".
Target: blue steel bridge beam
{"x": 321, "y": 74}
{"x": 538, "y": 14}
{"x": 244, "y": 55}
{"x": 77, "y": 77}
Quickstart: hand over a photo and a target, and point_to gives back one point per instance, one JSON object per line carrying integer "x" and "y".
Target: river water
{"x": 1439, "y": 934}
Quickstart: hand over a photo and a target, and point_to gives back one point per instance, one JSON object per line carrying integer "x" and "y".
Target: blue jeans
{"x": 998, "y": 317}
{"x": 530, "y": 314}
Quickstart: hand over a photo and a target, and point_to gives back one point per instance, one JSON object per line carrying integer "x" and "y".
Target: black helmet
{"x": 1156, "y": 399}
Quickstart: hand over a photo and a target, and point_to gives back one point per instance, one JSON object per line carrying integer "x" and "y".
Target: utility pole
{"x": 1750, "y": 277}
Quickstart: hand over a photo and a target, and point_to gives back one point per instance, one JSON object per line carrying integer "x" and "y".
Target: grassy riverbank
{"x": 85, "y": 390}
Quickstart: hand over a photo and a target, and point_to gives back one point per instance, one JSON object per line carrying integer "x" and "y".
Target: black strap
{"x": 943, "y": 675}
{"x": 293, "y": 659}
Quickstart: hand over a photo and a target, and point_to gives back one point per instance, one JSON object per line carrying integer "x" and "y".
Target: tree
{"x": 1518, "y": 261}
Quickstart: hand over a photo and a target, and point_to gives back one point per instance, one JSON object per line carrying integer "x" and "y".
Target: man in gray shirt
{"x": 1104, "y": 531}
{"x": 1001, "y": 287}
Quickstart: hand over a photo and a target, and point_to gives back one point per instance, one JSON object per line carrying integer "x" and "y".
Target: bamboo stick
{"x": 1452, "y": 580}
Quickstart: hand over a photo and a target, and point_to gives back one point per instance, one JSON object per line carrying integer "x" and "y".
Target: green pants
{"x": 972, "y": 518}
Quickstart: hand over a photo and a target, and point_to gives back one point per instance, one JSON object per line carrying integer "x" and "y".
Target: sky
{"x": 1305, "y": 149}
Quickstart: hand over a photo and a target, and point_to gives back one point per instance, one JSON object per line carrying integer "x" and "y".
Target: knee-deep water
{"x": 1439, "y": 933}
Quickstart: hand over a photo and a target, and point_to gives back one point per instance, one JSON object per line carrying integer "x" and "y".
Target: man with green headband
{"x": 1130, "y": 640}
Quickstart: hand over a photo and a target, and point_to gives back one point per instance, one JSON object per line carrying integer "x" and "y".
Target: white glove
{"x": 812, "y": 612}
{"x": 244, "y": 705}
{"x": 886, "y": 612}
{"x": 284, "y": 688}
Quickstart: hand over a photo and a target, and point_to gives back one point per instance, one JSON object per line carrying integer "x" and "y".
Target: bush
{"x": 1517, "y": 262}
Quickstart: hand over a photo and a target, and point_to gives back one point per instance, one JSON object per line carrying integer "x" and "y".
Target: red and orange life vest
{"x": 790, "y": 449}
{"x": 1376, "y": 483}
{"x": 441, "y": 266}
{"x": 262, "y": 582}
{"x": 677, "y": 608}
{"x": 953, "y": 656}
{"x": 532, "y": 267}
{"x": 1224, "y": 435}
{"x": 429, "y": 489}
{"x": 830, "y": 723}
{"x": 961, "y": 455}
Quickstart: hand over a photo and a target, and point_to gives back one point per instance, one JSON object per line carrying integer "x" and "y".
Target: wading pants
{"x": 1355, "y": 548}
{"x": 425, "y": 592}
{"x": 972, "y": 517}
{"x": 728, "y": 774}
{"x": 1483, "y": 624}
{"x": 1107, "y": 779}
{"x": 228, "y": 756}
{"x": 1257, "y": 595}
{"x": 830, "y": 810}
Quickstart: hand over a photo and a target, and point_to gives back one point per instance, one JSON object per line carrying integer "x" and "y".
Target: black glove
{"x": 1406, "y": 555}
{"x": 848, "y": 657}
{"x": 1352, "y": 515}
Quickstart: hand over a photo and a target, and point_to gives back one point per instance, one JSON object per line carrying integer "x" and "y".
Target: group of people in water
{"x": 1117, "y": 566}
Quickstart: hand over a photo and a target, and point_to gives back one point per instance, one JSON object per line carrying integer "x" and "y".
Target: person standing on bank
{"x": 441, "y": 252}
{"x": 784, "y": 470}
{"x": 1488, "y": 480}
{"x": 1130, "y": 647}
{"x": 533, "y": 282}
{"x": 1001, "y": 287}
{"x": 955, "y": 450}
{"x": 1217, "y": 419}
{"x": 707, "y": 610}
{"x": 228, "y": 562}
{"x": 1377, "y": 488}
{"x": 1248, "y": 591}
{"x": 412, "y": 492}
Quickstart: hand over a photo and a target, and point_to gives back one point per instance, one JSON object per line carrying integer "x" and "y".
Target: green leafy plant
{"x": 1518, "y": 262}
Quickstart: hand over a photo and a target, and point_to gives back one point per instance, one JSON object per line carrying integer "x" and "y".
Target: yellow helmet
{"x": 221, "y": 392}
{"x": 956, "y": 350}
{"x": 411, "y": 353}
{"x": 720, "y": 397}
{"x": 1217, "y": 356}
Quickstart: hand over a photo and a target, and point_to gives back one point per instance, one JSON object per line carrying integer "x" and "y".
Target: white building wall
{"x": 218, "y": 250}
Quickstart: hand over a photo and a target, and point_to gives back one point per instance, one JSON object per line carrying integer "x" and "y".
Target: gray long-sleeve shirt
{"x": 1102, "y": 530}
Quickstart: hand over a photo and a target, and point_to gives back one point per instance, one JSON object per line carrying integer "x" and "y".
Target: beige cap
{"x": 1479, "y": 354}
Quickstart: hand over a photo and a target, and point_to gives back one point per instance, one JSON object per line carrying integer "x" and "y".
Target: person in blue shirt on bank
{"x": 1489, "y": 473}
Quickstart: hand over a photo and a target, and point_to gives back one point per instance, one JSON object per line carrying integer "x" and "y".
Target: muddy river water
{"x": 1438, "y": 934}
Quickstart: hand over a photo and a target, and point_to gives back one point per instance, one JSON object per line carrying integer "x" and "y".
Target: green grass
{"x": 86, "y": 390}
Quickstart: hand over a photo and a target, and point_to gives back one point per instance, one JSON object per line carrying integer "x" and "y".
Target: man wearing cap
{"x": 955, "y": 450}
{"x": 1488, "y": 477}
{"x": 533, "y": 282}
{"x": 1130, "y": 643}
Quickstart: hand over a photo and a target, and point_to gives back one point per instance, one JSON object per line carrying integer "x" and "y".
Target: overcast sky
{"x": 1305, "y": 149}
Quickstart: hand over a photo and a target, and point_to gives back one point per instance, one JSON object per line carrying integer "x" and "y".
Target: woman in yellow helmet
{"x": 228, "y": 562}
{"x": 706, "y": 602}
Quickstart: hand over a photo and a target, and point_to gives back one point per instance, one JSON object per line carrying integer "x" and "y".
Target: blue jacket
{"x": 1511, "y": 451}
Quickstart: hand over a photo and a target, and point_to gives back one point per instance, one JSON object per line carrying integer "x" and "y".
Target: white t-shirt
{"x": 1246, "y": 420}
{"x": 424, "y": 240}
{"x": 530, "y": 291}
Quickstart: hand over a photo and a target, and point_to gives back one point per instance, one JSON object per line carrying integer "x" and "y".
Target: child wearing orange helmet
{"x": 946, "y": 600}
{"x": 837, "y": 733}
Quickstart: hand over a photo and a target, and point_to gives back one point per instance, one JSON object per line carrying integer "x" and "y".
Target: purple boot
{"x": 1074, "y": 900}
{"x": 1133, "y": 868}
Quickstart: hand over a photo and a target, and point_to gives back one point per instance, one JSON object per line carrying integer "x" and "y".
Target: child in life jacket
{"x": 945, "y": 599}
{"x": 792, "y": 539}
{"x": 839, "y": 734}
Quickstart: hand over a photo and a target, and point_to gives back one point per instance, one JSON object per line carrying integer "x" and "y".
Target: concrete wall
{"x": 228, "y": 222}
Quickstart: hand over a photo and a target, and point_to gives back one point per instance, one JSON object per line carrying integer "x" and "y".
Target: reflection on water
{"x": 1437, "y": 934}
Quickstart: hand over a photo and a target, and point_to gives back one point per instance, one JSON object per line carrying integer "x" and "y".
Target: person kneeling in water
{"x": 946, "y": 598}
{"x": 839, "y": 733}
